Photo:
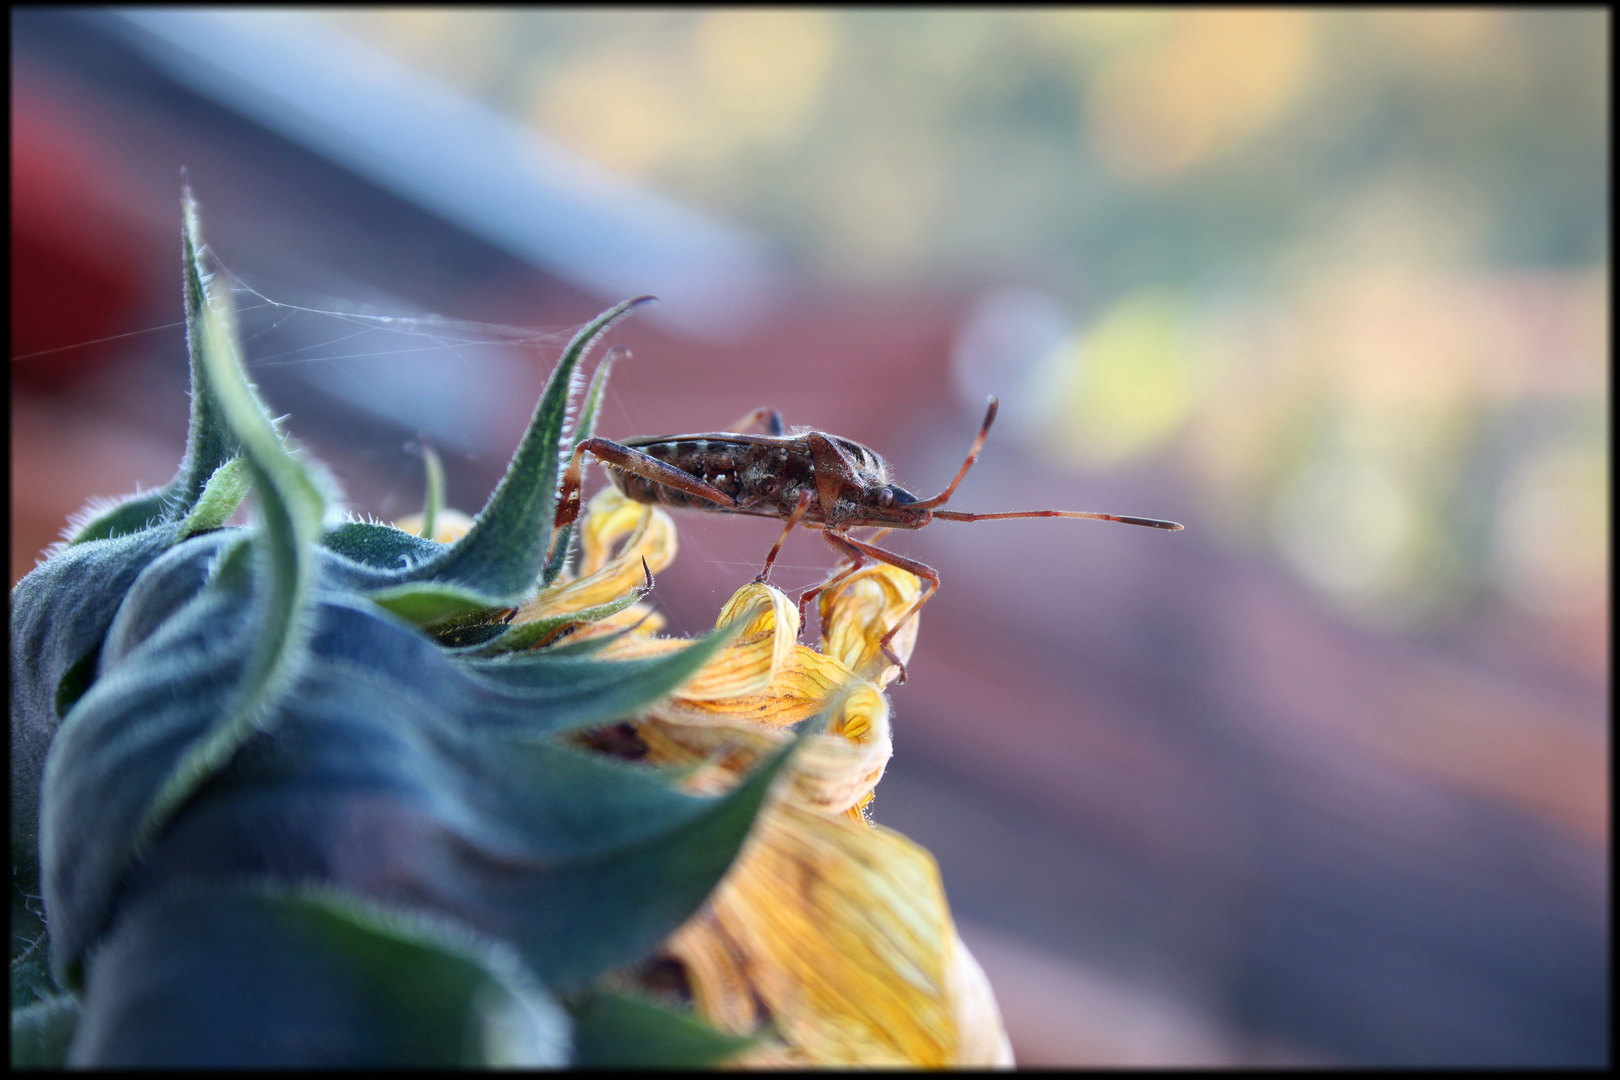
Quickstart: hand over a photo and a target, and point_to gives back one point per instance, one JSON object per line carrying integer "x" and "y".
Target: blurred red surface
{"x": 80, "y": 252}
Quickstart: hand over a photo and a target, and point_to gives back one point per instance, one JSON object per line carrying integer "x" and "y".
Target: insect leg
{"x": 922, "y": 570}
{"x": 793, "y": 519}
{"x": 765, "y": 415}
{"x": 841, "y": 545}
{"x": 631, "y": 461}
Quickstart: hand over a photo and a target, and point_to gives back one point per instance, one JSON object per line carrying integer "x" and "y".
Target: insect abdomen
{"x": 712, "y": 461}
{"x": 642, "y": 490}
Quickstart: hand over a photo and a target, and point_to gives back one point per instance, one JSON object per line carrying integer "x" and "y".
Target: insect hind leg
{"x": 632, "y": 461}
{"x": 842, "y": 545}
{"x": 769, "y": 418}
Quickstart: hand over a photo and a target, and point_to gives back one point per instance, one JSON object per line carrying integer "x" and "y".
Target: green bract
{"x": 293, "y": 794}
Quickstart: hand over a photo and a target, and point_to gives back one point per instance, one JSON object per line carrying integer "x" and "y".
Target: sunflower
{"x": 830, "y": 937}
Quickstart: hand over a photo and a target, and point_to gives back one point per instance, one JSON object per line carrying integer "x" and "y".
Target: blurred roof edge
{"x": 464, "y": 162}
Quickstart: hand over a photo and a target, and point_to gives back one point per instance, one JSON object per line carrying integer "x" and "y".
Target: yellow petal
{"x": 609, "y": 518}
{"x": 842, "y": 932}
{"x": 769, "y": 635}
{"x": 647, "y": 532}
{"x": 836, "y": 772}
{"x": 761, "y": 656}
{"x": 981, "y": 1038}
{"x": 832, "y": 773}
{"x": 800, "y": 689}
{"x": 856, "y": 615}
{"x": 448, "y": 527}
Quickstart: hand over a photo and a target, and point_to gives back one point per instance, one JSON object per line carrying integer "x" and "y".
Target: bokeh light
{"x": 1274, "y": 235}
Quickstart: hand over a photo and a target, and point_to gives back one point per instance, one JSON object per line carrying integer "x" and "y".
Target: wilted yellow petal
{"x": 833, "y": 772}
{"x": 770, "y": 629}
{"x": 856, "y": 615}
{"x": 763, "y": 674}
{"x": 842, "y": 931}
{"x": 647, "y": 532}
{"x": 800, "y": 689}
{"x": 608, "y": 519}
{"x": 836, "y": 772}
{"x": 981, "y": 1038}
{"x": 829, "y": 931}
{"x": 717, "y": 971}
{"x": 448, "y": 526}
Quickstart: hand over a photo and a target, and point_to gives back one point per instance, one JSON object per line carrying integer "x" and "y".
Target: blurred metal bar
{"x": 458, "y": 159}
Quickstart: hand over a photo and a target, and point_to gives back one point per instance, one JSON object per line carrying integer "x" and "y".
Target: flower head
{"x": 830, "y": 930}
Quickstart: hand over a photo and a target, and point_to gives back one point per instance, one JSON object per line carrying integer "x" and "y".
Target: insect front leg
{"x": 922, "y": 570}
{"x": 631, "y": 461}
{"x": 841, "y": 545}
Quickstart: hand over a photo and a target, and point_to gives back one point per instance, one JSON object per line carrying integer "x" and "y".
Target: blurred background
{"x": 1322, "y": 779}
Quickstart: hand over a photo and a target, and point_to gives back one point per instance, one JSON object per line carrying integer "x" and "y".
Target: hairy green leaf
{"x": 41, "y": 1032}
{"x": 221, "y": 496}
{"x": 134, "y": 514}
{"x": 257, "y": 976}
{"x": 432, "y": 603}
{"x": 620, "y": 1031}
{"x": 379, "y": 547}
{"x": 292, "y": 507}
{"x": 529, "y": 634}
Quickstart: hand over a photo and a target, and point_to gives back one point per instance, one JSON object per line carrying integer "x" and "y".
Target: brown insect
{"x": 807, "y": 478}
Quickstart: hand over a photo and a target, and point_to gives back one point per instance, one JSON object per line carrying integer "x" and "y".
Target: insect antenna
{"x": 973, "y": 455}
{"x": 1152, "y": 523}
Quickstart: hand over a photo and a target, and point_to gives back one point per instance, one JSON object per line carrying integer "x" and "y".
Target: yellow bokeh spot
{"x": 617, "y": 109}
{"x": 762, "y": 71}
{"x": 1208, "y": 85}
{"x": 1125, "y": 386}
{"x": 748, "y": 78}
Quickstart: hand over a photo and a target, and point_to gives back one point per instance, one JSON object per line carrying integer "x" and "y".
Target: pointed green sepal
{"x": 563, "y": 539}
{"x": 292, "y": 507}
{"x": 433, "y": 498}
{"x": 432, "y": 604}
{"x": 131, "y": 515}
{"x": 504, "y": 553}
{"x": 221, "y": 496}
{"x": 610, "y": 911}
{"x": 209, "y": 444}
{"x": 210, "y": 440}
{"x": 571, "y": 692}
{"x": 528, "y": 635}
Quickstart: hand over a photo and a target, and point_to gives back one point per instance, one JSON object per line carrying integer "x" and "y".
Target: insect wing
{"x": 789, "y": 441}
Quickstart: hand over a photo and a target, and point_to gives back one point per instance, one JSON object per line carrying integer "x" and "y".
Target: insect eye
{"x": 770, "y": 485}
{"x": 885, "y": 498}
